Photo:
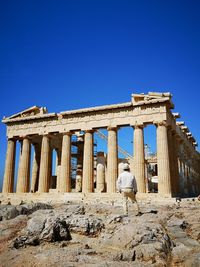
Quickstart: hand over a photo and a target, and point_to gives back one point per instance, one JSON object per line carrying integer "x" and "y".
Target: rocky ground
{"x": 99, "y": 235}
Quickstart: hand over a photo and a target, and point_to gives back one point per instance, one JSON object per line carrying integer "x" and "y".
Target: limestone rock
{"x": 98, "y": 235}
{"x": 8, "y": 212}
{"x": 41, "y": 229}
{"x": 55, "y": 230}
{"x": 86, "y": 225}
{"x": 139, "y": 241}
{"x": 35, "y": 225}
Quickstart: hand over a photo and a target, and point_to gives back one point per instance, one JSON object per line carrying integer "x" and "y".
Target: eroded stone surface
{"x": 93, "y": 235}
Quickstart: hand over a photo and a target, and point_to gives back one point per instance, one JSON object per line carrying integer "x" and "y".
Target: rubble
{"x": 89, "y": 235}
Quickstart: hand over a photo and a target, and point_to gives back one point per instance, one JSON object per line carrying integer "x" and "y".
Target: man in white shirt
{"x": 126, "y": 184}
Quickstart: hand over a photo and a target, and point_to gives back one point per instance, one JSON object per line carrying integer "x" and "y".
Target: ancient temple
{"x": 177, "y": 160}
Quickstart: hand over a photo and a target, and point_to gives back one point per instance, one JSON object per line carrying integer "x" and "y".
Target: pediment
{"x": 151, "y": 97}
{"x": 29, "y": 112}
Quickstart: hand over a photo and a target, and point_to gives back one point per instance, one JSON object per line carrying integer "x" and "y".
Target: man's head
{"x": 126, "y": 167}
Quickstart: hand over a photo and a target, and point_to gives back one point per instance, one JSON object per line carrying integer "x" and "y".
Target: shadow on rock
{"x": 50, "y": 230}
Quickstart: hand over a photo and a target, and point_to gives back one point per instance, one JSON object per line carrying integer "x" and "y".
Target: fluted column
{"x": 189, "y": 181}
{"x": 58, "y": 168}
{"x": 65, "y": 173}
{"x": 170, "y": 146}
{"x": 88, "y": 163}
{"x": 180, "y": 164}
{"x": 51, "y": 183}
{"x": 79, "y": 171}
{"x": 175, "y": 141}
{"x": 8, "y": 182}
{"x": 44, "y": 165}
{"x": 20, "y": 155}
{"x": 79, "y": 178}
{"x": 139, "y": 160}
{"x": 112, "y": 160}
{"x": 100, "y": 177}
{"x": 35, "y": 168}
{"x": 24, "y": 167}
{"x": 164, "y": 182}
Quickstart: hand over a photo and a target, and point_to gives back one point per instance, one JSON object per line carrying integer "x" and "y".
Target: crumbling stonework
{"x": 77, "y": 234}
{"x": 177, "y": 159}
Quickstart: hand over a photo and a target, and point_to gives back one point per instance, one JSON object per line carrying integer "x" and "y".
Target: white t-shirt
{"x": 126, "y": 180}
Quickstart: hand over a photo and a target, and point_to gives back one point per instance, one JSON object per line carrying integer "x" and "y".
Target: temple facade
{"x": 177, "y": 160}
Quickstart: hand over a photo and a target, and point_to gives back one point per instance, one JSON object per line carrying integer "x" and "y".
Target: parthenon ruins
{"x": 177, "y": 160}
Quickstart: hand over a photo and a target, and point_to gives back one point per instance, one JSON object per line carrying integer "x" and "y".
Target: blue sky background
{"x": 73, "y": 54}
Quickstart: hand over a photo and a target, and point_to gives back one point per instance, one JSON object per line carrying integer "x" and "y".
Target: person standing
{"x": 126, "y": 184}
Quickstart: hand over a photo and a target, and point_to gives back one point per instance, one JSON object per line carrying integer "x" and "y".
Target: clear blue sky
{"x": 72, "y": 54}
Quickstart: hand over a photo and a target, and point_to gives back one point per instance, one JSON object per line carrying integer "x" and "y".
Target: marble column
{"x": 112, "y": 160}
{"x": 65, "y": 172}
{"x": 44, "y": 175}
{"x": 181, "y": 176}
{"x": 51, "y": 182}
{"x": 79, "y": 171}
{"x": 181, "y": 166}
{"x": 88, "y": 163}
{"x": 24, "y": 167}
{"x": 100, "y": 178}
{"x": 172, "y": 161}
{"x": 139, "y": 159}
{"x": 188, "y": 175}
{"x": 20, "y": 155}
{"x": 175, "y": 182}
{"x": 35, "y": 168}
{"x": 164, "y": 181}
{"x": 79, "y": 178}
{"x": 58, "y": 168}
{"x": 8, "y": 182}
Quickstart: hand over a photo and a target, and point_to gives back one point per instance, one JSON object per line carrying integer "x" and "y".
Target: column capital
{"x": 89, "y": 131}
{"x": 46, "y": 135}
{"x": 22, "y": 137}
{"x": 138, "y": 126}
{"x": 161, "y": 123}
{"x": 67, "y": 133}
{"x": 11, "y": 139}
{"x": 112, "y": 128}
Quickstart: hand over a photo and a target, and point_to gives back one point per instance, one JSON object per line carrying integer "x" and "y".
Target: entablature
{"x": 90, "y": 118}
{"x": 144, "y": 109}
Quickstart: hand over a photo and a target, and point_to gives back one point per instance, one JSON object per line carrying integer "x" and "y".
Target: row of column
{"x": 167, "y": 163}
{"x": 189, "y": 171}
{"x": 41, "y": 166}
